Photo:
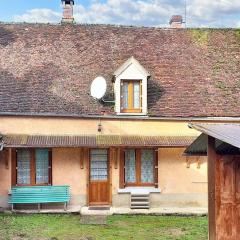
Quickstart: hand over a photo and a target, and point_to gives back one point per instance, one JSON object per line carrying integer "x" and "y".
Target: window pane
{"x": 23, "y": 166}
{"x": 125, "y": 95}
{"x": 147, "y": 164}
{"x": 99, "y": 164}
{"x": 42, "y": 164}
{"x": 130, "y": 166}
{"x": 136, "y": 94}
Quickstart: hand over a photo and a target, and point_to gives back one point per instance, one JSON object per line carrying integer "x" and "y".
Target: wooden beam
{"x": 8, "y": 157}
{"x": 81, "y": 158}
{"x": 212, "y": 158}
{"x": 198, "y": 162}
{"x": 188, "y": 161}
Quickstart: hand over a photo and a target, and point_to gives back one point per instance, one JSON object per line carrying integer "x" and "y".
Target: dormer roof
{"x": 128, "y": 63}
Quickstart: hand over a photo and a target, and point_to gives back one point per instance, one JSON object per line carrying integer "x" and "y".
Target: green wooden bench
{"x": 39, "y": 195}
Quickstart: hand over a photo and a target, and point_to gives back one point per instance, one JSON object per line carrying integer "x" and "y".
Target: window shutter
{"x": 50, "y": 167}
{"x": 141, "y": 95}
{"x": 121, "y": 170}
{"x": 14, "y": 166}
{"x": 156, "y": 168}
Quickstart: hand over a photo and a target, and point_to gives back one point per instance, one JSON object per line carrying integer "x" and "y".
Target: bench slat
{"x": 40, "y": 194}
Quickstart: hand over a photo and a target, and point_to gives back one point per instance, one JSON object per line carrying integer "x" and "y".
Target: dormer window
{"x": 131, "y": 88}
{"x": 131, "y": 96}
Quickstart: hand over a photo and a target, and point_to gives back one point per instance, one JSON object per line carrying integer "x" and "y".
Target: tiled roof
{"x": 49, "y": 68}
{"x": 95, "y": 141}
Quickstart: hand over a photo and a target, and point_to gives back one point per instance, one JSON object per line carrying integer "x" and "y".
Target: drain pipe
{"x": 1, "y": 143}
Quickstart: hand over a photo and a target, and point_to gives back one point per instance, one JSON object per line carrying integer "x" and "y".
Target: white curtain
{"x": 99, "y": 164}
{"x": 23, "y": 166}
{"x": 42, "y": 164}
{"x": 136, "y": 93}
{"x": 130, "y": 166}
{"x": 147, "y": 166}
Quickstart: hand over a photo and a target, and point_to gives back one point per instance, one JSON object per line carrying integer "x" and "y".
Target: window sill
{"x": 139, "y": 190}
{"x": 132, "y": 114}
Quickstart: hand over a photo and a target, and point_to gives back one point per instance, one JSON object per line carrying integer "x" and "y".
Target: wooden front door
{"x": 228, "y": 199}
{"x": 99, "y": 187}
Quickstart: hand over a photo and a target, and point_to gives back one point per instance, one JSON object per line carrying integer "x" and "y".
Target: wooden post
{"x": 212, "y": 157}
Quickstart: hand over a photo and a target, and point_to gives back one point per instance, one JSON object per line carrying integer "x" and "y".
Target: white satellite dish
{"x": 98, "y": 87}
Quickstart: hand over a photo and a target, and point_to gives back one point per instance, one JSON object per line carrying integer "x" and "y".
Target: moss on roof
{"x": 46, "y": 68}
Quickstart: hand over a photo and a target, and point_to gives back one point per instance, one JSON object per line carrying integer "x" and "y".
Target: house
{"x": 221, "y": 143}
{"x": 131, "y": 141}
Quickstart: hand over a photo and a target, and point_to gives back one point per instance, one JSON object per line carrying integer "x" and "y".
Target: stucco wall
{"x": 66, "y": 170}
{"x": 179, "y": 184}
{"x": 175, "y": 177}
{"x": 5, "y": 178}
{"x": 58, "y": 126}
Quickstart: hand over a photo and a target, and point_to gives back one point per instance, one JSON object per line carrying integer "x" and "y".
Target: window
{"x": 140, "y": 167}
{"x": 131, "y": 96}
{"x": 23, "y": 167}
{"x": 130, "y": 88}
{"x": 130, "y": 166}
{"x": 99, "y": 164}
{"x": 33, "y": 167}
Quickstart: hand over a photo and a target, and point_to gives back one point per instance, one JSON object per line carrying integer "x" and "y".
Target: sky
{"x": 200, "y": 13}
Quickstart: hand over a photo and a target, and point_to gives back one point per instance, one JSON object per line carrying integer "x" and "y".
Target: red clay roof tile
{"x": 49, "y": 68}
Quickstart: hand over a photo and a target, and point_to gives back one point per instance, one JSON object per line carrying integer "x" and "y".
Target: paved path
{"x": 187, "y": 211}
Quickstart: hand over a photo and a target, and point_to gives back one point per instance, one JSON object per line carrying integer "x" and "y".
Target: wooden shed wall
{"x": 224, "y": 195}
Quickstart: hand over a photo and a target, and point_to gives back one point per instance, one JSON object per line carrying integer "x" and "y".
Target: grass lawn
{"x": 58, "y": 227}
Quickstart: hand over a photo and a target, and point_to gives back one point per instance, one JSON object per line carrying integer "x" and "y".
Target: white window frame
{"x": 131, "y": 70}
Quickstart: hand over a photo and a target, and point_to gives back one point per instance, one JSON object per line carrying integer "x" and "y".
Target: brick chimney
{"x": 176, "y": 21}
{"x": 68, "y": 11}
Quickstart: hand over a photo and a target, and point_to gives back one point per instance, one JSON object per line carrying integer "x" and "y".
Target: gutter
{"x": 125, "y": 117}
